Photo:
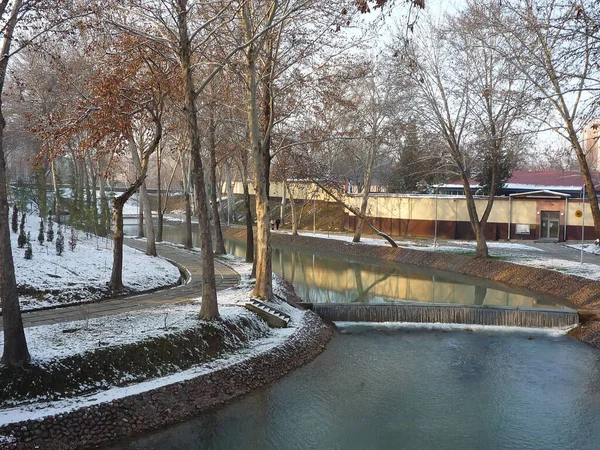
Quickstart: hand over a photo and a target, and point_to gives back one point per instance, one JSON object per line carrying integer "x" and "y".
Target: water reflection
{"x": 327, "y": 279}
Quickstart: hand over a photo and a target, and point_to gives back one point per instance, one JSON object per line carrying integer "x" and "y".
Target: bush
{"x": 60, "y": 242}
{"x": 73, "y": 240}
{"x": 50, "y": 232}
{"x": 22, "y": 239}
{"x": 28, "y": 251}
{"x": 15, "y": 219}
{"x": 41, "y": 233}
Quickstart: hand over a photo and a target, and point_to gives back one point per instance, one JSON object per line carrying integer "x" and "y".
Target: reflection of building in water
{"x": 329, "y": 280}
{"x": 591, "y": 133}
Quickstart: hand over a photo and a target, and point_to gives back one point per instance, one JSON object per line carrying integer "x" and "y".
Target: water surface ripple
{"x": 386, "y": 388}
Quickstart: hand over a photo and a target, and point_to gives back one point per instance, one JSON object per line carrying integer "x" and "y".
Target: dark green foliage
{"x": 41, "y": 233}
{"x": 504, "y": 164}
{"x": 60, "y": 242}
{"x": 416, "y": 166}
{"x": 15, "y": 219}
{"x": 22, "y": 239}
{"x": 50, "y": 231}
{"x": 73, "y": 239}
{"x": 22, "y": 194}
{"x": 28, "y": 251}
{"x": 40, "y": 194}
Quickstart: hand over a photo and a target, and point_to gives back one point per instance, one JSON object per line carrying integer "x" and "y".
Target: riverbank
{"x": 579, "y": 292}
{"x": 159, "y": 407}
{"x": 124, "y": 393}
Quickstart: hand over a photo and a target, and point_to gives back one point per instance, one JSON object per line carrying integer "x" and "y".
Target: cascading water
{"x": 496, "y": 316}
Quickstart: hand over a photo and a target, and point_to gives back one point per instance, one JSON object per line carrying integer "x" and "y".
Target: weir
{"x": 444, "y": 313}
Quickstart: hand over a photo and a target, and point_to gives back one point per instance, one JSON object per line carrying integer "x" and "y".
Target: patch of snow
{"x": 6, "y": 440}
{"x": 450, "y": 246}
{"x": 585, "y": 270}
{"x": 43, "y": 409}
{"x": 587, "y": 248}
{"x": 81, "y": 274}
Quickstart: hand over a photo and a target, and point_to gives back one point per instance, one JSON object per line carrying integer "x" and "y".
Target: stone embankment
{"x": 98, "y": 425}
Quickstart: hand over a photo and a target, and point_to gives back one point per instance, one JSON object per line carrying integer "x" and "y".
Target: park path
{"x": 225, "y": 277}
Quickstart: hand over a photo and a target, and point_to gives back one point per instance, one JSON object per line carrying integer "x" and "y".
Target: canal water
{"x": 322, "y": 278}
{"x": 395, "y": 387}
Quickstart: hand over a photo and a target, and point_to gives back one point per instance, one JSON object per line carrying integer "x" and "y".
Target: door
{"x": 550, "y": 224}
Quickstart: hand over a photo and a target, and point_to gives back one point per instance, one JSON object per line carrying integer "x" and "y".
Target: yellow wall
{"x": 423, "y": 207}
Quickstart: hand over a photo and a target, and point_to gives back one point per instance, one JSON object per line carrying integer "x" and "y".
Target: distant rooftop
{"x": 553, "y": 180}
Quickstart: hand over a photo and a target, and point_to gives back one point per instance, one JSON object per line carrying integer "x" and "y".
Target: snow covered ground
{"x": 59, "y": 341}
{"x": 81, "y": 274}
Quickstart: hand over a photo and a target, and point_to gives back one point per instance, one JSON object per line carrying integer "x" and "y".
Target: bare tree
{"x": 40, "y": 17}
{"x": 472, "y": 98}
{"x": 555, "y": 46}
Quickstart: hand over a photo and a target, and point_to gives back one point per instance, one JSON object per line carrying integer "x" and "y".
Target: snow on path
{"x": 49, "y": 342}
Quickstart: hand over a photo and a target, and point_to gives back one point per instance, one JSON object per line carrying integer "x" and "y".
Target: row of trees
{"x": 286, "y": 89}
{"x": 152, "y": 66}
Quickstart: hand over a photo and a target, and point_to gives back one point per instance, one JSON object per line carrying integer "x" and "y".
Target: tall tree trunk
{"x": 209, "y": 308}
{"x": 56, "y": 202}
{"x": 159, "y": 228}
{"x": 140, "y": 222}
{"x": 222, "y": 206}
{"x": 116, "y": 276}
{"x": 247, "y": 211}
{"x": 15, "y": 352}
{"x": 212, "y": 143}
{"x": 149, "y": 228}
{"x": 293, "y": 206}
{"x": 230, "y": 195}
{"x": 94, "y": 200}
{"x": 481, "y": 250}
{"x": 590, "y": 185}
{"x": 188, "y": 242}
{"x": 283, "y": 203}
{"x": 87, "y": 204}
{"x": 263, "y": 287}
{"x": 104, "y": 207}
{"x": 145, "y": 201}
{"x": 42, "y": 195}
{"x": 366, "y": 190}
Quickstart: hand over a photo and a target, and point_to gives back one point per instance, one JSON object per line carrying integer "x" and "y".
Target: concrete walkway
{"x": 225, "y": 277}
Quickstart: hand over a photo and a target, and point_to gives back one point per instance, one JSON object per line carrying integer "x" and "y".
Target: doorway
{"x": 550, "y": 225}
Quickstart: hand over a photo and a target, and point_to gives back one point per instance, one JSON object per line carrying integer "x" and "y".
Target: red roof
{"x": 549, "y": 178}
{"x": 541, "y": 179}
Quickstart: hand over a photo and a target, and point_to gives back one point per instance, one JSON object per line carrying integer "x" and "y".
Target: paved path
{"x": 225, "y": 278}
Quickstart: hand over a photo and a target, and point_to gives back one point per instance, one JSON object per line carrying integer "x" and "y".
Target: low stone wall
{"x": 97, "y": 425}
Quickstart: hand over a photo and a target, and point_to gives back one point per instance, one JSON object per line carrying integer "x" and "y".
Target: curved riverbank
{"x": 121, "y": 418}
